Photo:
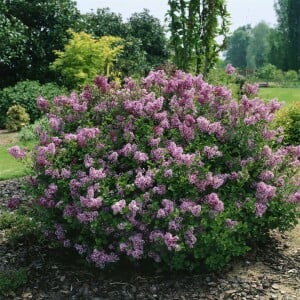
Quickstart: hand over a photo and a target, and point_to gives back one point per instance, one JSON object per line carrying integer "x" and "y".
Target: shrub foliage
{"x": 171, "y": 169}
{"x": 25, "y": 93}
{"x": 289, "y": 119}
{"x": 16, "y": 118}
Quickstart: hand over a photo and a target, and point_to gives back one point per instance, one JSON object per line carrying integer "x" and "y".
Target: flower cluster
{"x": 163, "y": 169}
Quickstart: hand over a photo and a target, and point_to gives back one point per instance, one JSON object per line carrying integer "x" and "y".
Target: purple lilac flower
{"x": 43, "y": 104}
{"x": 55, "y": 123}
{"x": 264, "y": 192}
{"x": 175, "y": 224}
{"x": 156, "y": 235}
{"x": 294, "y": 198}
{"x": 211, "y": 152}
{"x": 88, "y": 161}
{"x": 102, "y": 83}
{"x": 65, "y": 173}
{"x": 203, "y": 124}
{"x": 160, "y": 189}
{"x": 230, "y": 223}
{"x": 85, "y": 134}
{"x": 140, "y": 156}
{"x": 51, "y": 190}
{"x": 90, "y": 201}
{"x": 113, "y": 156}
{"x": 171, "y": 241}
{"x": 133, "y": 207}
{"x": 59, "y": 232}
{"x": 87, "y": 217}
{"x": 137, "y": 246}
{"x": 17, "y": 152}
{"x": 214, "y": 202}
{"x": 266, "y": 175}
{"x": 230, "y": 69}
{"x": 190, "y": 206}
{"x": 250, "y": 89}
{"x": 158, "y": 154}
{"x": 96, "y": 174}
{"x": 168, "y": 208}
{"x": 154, "y": 142}
{"x": 80, "y": 248}
{"x": 101, "y": 259}
{"x": 118, "y": 206}
{"x": 189, "y": 238}
{"x": 260, "y": 209}
{"x": 168, "y": 173}
{"x": 70, "y": 210}
{"x": 187, "y": 132}
{"x": 144, "y": 181}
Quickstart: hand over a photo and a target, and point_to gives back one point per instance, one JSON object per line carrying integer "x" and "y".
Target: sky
{"x": 242, "y": 11}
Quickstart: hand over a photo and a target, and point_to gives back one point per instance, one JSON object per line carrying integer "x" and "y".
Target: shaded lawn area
{"x": 286, "y": 95}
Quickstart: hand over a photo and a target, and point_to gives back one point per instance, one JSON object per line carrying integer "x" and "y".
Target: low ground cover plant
{"x": 170, "y": 169}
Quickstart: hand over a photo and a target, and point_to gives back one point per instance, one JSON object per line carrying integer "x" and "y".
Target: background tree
{"x": 259, "y": 47}
{"x": 13, "y": 36}
{"x": 46, "y": 23}
{"x": 104, "y": 22}
{"x": 237, "y": 47}
{"x": 132, "y": 61}
{"x": 150, "y": 32}
{"x": 194, "y": 26}
{"x": 84, "y": 58}
{"x": 288, "y": 33}
{"x": 144, "y": 39}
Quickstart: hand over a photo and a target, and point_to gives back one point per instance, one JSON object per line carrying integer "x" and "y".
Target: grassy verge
{"x": 286, "y": 95}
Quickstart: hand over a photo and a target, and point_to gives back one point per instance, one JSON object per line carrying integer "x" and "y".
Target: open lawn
{"x": 9, "y": 166}
{"x": 286, "y": 95}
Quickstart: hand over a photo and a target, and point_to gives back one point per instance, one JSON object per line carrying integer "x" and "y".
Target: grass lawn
{"x": 286, "y": 95}
{"x": 9, "y": 166}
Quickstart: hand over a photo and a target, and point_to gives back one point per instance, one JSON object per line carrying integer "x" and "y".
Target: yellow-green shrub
{"x": 17, "y": 117}
{"x": 289, "y": 119}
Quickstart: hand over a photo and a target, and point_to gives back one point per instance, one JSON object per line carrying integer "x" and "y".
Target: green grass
{"x": 11, "y": 167}
{"x": 286, "y": 95}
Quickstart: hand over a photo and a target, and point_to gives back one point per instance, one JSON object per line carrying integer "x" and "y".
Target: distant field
{"x": 286, "y": 95}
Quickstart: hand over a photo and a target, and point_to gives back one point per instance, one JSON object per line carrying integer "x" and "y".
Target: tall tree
{"x": 13, "y": 36}
{"x": 104, "y": 22}
{"x": 237, "y": 47}
{"x": 150, "y": 32}
{"x": 46, "y": 23}
{"x": 194, "y": 27}
{"x": 145, "y": 43}
{"x": 259, "y": 47}
{"x": 288, "y": 18}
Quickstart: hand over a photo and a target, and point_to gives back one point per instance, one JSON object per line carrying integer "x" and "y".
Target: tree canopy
{"x": 237, "y": 46}
{"x": 37, "y": 28}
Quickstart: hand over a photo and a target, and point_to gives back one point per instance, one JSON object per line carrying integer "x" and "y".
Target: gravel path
{"x": 269, "y": 273}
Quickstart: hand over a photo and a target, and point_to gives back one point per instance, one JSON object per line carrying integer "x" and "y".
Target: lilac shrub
{"x": 171, "y": 170}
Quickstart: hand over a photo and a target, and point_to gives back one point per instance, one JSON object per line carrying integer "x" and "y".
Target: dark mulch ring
{"x": 269, "y": 272}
